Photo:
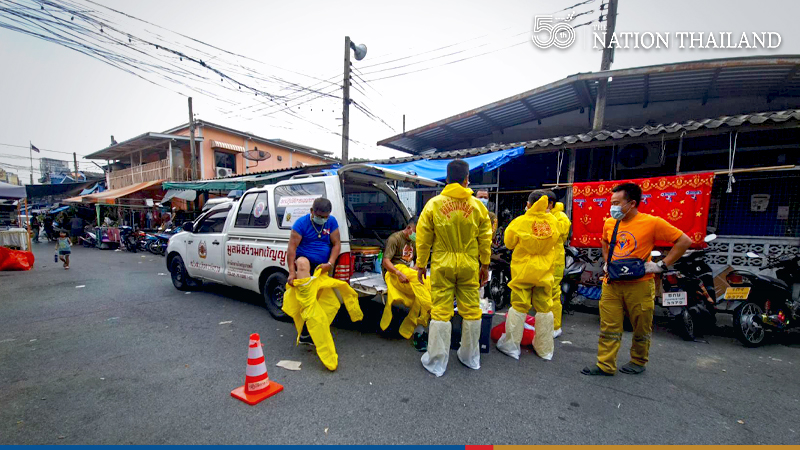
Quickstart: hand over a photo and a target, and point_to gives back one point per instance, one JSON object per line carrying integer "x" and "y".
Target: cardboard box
{"x": 721, "y": 283}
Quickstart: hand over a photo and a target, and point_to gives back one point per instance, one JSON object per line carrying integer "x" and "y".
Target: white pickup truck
{"x": 244, "y": 243}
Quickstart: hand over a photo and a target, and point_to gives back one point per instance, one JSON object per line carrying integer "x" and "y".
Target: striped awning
{"x": 226, "y": 146}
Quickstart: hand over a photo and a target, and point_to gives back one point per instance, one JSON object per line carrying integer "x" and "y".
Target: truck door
{"x": 206, "y": 251}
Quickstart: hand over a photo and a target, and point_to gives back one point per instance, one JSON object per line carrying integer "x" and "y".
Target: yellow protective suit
{"x": 415, "y": 296}
{"x": 558, "y": 268}
{"x": 313, "y": 302}
{"x": 533, "y": 237}
{"x": 454, "y": 226}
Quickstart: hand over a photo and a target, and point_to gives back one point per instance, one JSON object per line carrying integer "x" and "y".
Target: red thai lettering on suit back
{"x": 452, "y": 206}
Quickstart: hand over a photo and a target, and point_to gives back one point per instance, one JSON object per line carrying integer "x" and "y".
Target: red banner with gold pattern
{"x": 682, "y": 200}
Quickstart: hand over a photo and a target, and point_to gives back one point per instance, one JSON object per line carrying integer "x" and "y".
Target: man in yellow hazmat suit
{"x": 403, "y": 286}
{"x": 564, "y": 224}
{"x": 532, "y": 237}
{"x": 455, "y": 233}
{"x": 312, "y": 301}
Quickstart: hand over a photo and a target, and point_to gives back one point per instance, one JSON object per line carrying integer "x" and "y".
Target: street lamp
{"x": 360, "y": 52}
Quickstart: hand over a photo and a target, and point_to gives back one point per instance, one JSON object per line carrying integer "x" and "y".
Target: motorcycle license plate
{"x": 738, "y": 293}
{"x": 674, "y": 299}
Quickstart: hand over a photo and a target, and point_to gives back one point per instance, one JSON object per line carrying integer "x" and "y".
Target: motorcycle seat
{"x": 774, "y": 280}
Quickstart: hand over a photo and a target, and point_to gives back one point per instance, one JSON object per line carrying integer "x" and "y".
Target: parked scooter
{"x": 128, "y": 238}
{"x": 763, "y": 304}
{"x": 89, "y": 238}
{"x": 144, "y": 240}
{"x": 159, "y": 245}
{"x": 500, "y": 267}
{"x": 686, "y": 297}
{"x": 574, "y": 267}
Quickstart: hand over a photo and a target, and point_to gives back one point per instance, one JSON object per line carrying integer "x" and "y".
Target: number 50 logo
{"x": 562, "y": 35}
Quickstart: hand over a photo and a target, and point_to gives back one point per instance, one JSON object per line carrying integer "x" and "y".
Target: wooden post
{"x": 570, "y": 180}
{"x": 27, "y": 211}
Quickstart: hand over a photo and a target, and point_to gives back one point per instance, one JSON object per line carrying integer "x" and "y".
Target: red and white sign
{"x": 681, "y": 200}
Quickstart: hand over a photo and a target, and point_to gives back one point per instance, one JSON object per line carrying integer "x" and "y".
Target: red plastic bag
{"x": 15, "y": 259}
{"x": 527, "y": 334}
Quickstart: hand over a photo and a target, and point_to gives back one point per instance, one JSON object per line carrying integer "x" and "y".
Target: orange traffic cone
{"x": 257, "y": 385}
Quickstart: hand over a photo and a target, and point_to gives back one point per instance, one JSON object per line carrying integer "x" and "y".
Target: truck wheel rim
{"x": 177, "y": 272}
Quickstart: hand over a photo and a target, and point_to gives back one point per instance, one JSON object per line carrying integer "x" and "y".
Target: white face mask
{"x": 485, "y": 201}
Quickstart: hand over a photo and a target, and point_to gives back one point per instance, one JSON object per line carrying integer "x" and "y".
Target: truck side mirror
{"x": 188, "y": 226}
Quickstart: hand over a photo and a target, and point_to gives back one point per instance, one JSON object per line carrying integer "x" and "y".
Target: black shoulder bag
{"x": 624, "y": 269}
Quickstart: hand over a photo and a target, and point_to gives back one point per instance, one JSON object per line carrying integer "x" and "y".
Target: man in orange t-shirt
{"x": 636, "y": 237}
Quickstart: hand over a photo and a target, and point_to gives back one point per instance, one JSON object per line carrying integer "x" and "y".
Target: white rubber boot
{"x": 470, "y": 351}
{"x": 435, "y": 359}
{"x": 543, "y": 339}
{"x": 509, "y": 342}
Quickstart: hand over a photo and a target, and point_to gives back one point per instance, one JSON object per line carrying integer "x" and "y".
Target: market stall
{"x": 15, "y": 237}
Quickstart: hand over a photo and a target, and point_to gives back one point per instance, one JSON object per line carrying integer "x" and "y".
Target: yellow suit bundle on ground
{"x": 413, "y": 295}
{"x": 558, "y": 268}
{"x": 455, "y": 232}
{"x": 313, "y": 302}
{"x": 532, "y": 237}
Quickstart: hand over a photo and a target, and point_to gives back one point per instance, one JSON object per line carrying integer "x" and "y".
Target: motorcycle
{"x": 686, "y": 297}
{"x": 89, "y": 238}
{"x": 144, "y": 241}
{"x": 763, "y": 304}
{"x": 128, "y": 238}
{"x": 159, "y": 245}
{"x": 500, "y": 268}
{"x": 574, "y": 267}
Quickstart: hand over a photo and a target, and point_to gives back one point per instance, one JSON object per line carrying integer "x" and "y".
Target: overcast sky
{"x": 65, "y": 101}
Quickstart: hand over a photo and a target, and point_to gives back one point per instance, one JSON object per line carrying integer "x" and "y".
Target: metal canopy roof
{"x": 768, "y": 77}
{"x": 146, "y": 141}
{"x": 597, "y": 139}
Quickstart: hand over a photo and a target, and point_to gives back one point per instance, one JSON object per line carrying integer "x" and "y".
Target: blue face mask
{"x": 485, "y": 201}
{"x": 319, "y": 220}
{"x": 617, "y": 213}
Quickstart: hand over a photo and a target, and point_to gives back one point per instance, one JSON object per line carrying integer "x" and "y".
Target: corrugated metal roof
{"x": 603, "y": 135}
{"x": 769, "y": 77}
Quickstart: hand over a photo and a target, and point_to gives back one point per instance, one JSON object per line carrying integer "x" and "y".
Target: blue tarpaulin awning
{"x": 436, "y": 169}
{"x": 59, "y": 209}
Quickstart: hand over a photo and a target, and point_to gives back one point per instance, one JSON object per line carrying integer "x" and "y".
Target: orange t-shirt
{"x": 637, "y": 237}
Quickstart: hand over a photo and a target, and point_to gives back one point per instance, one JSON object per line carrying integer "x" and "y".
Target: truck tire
{"x": 273, "y": 290}
{"x": 180, "y": 278}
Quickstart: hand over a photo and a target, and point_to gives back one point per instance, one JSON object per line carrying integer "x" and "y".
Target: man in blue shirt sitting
{"x": 316, "y": 237}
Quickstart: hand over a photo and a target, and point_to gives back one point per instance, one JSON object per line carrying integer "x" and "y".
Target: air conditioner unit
{"x": 639, "y": 156}
{"x": 224, "y": 172}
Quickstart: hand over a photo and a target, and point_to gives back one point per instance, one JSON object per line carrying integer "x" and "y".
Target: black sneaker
{"x": 305, "y": 339}
{"x": 420, "y": 341}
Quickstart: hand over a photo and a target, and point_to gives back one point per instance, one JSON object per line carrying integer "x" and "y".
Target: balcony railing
{"x": 153, "y": 171}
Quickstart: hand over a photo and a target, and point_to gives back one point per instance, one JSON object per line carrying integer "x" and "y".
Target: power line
{"x": 42, "y": 149}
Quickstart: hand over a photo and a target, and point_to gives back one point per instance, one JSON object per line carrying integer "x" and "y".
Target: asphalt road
{"x": 109, "y": 352}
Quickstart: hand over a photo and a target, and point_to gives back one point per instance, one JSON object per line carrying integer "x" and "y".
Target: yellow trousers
{"x": 558, "y": 275}
{"x": 413, "y": 295}
{"x": 455, "y": 276}
{"x": 637, "y": 298}
{"x": 525, "y": 295}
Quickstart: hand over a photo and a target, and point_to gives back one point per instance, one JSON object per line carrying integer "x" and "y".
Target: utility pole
{"x": 608, "y": 58}
{"x": 30, "y": 150}
{"x": 346, "y": 101}
{"x": 75, "y": 160}
{"x": 191, "y": 142}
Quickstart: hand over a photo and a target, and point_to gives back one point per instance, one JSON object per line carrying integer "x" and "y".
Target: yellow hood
{"x": 558, "y": 208}
{"x": 539, "y": 207}
{"x": 456, "y": 190}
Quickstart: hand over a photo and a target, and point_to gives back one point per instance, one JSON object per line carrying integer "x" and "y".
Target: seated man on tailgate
{"x": 404, "y": 287}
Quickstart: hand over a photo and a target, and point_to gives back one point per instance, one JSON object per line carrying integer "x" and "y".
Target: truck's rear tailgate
{"x": 368, "y": 284}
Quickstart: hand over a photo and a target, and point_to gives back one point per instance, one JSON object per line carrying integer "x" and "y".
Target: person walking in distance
{"x": 454, "y": 232}
{"x": 628, "y": 238}
{"x": 64, "y": 248}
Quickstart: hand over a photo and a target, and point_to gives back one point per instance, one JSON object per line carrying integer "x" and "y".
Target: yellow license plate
{"x": 738, "y": 293}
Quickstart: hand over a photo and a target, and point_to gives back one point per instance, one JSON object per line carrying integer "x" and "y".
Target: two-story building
{"x": 149, "y": 159}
